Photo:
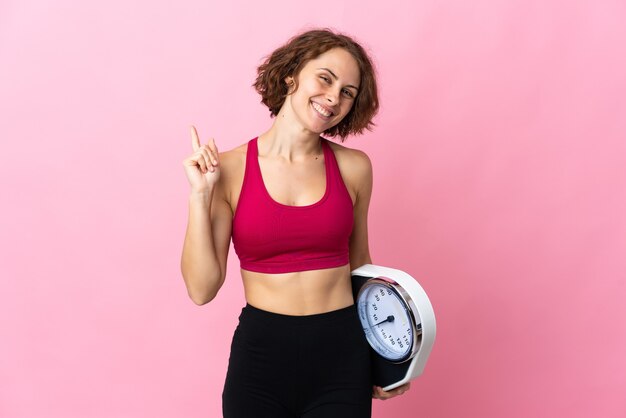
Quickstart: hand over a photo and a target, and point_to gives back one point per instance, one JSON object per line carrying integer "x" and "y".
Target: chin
{"x": 320, "y": 131}
{"x": 321, "y": 128}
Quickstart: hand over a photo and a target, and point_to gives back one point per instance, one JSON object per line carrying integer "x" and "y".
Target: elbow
{"x": 357, "y": 262}
{"x": 203, "y": 294}
{"x": 200, "y": 299}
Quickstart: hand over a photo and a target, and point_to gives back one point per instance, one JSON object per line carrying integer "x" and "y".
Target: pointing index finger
{"x": 195, "y": 141}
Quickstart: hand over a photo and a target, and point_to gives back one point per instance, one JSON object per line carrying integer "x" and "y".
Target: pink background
{"x": 500, "y": 183}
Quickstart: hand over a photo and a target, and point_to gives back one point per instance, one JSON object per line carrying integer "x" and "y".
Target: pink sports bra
{"x": 270, "y": 237}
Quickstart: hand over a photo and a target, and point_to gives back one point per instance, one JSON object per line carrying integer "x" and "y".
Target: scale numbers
{"x": 386, "y": 322}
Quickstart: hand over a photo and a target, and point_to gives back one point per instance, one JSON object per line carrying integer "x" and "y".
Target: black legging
{"x": 298, "y": 366}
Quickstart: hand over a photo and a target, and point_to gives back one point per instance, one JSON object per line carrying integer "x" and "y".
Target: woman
{"x": 295, "y": 206}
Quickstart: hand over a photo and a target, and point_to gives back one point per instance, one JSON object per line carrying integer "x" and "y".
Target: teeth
{"x": 321, "y": 110}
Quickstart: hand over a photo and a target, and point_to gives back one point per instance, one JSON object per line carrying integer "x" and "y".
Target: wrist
{"x": 203, "y": 196}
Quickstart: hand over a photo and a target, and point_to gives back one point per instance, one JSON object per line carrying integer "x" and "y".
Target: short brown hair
{"x": 289, "y": 59}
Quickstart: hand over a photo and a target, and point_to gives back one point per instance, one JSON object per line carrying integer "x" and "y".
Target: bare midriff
{"x": 299, "y": 293}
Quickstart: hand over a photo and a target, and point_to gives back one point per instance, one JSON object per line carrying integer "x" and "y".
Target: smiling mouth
{"x": 321, "y": 111}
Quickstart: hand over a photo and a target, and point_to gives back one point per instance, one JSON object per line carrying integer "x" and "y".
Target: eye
{"x": 348, "y": 93}
{"x": 326, "y": 79}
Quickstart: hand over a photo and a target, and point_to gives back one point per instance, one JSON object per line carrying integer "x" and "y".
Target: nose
{"x": 332, "y": 96}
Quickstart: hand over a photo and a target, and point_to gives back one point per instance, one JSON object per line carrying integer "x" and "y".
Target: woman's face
{"x": 327, "y": 88}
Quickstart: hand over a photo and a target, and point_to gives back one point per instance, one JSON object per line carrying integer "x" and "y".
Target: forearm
{"x": 356, "y": 264}
{"x": 199, "y": 262}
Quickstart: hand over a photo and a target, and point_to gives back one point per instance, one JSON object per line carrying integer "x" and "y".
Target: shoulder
{"x": 232, "y": 168}
{"x": 355, "y": 167}
{"x": 234, "y": 156}
{"x": 352, "y": 162}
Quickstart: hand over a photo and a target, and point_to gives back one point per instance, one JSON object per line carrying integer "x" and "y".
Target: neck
{"x": 289, "y": 140}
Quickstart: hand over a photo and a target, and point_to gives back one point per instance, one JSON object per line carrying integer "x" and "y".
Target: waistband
{"x": 260, "y": 314}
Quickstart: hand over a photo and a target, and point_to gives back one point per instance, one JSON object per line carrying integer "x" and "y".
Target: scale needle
{"x": 390, "y": 318}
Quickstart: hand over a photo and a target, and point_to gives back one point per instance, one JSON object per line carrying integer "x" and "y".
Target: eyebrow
{"x": 337, "y": 78}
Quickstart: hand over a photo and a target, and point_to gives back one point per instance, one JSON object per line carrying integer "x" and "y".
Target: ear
{"x": 290, "y": 84}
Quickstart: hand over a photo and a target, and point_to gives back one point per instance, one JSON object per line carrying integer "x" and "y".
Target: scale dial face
{"x": 386, "y": 320}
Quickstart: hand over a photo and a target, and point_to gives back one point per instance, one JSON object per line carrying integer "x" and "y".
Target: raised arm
{"x": 207, "y": 240}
